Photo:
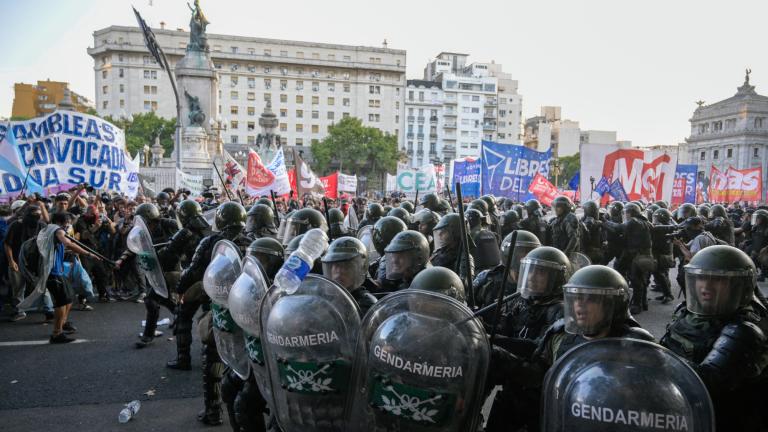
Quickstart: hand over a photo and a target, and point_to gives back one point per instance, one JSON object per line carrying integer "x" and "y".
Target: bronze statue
{"x": 196, "y": 115}
{"x": 198, "y": 40}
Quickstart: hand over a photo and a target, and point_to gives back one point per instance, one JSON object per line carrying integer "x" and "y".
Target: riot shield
{"x": 365, "y": 235}
{"x": 230, "y": 341}
{"x": 421, "y": 364}
{"x": 350, "y": 220}
{"x": 579, "y": 260}
{"x": 210, "y": 218}
{"x": 309, "y": 339}
{"x": 488, "y": 252}
{"x": 624, "y": 385}
{"x": 222, "y": 271}
{"x": 244, "y": 301}
{"x": 46, "y": 242}
{"x": 139, "y": 241}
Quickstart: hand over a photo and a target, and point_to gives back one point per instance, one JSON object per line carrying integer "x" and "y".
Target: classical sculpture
{"x": 196, "y": 115}
{"x": 198, "y": 40}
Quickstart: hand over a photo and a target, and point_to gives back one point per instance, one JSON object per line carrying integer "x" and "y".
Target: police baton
{"x": 89, "y": 250}
{"x": 274, "y": 206}
{"x": 500, "y": 301}
{"x": 224, "y": 185}
{"x": 465, "y": 248}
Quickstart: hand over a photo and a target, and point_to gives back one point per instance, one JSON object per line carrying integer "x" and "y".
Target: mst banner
{"x": 644, "y": 174}
{"x": 507, "y": 169}
{"x": 736, "y": 185}
{"x": 467, "y": 172}
{"x": 68, "y": 148}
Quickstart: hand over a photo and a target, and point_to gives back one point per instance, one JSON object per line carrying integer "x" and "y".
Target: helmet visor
{"x": 442, "y": 237}
{"x": 520, "y": 251}
{"x": 539, "y": 278}
{"x": 717, "y": 293}
{"x": 293, "y": 228}
{"x": 758, "y": 218}
{"x": 588, "y": 311}
{"x": 401, "y": 265}
{"x": 350, "y": 274}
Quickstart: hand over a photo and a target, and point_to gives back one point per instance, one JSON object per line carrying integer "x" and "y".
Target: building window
{"x": 299, "y": 141}
{"x": 715, "y": 154}
{"x": 374, "y": 89}
{"x": 283, "y": 127}
{"x": 267, "y": 83}
{"x": 122, "y": 88}
{"x": 330, "y": 115}
{"x": 147, "y": 105}
{"x": 251, "y": 96}
{"x": 299, "y": 85}
{"x": 267, "y": 97}
{"x": 703, "y": 155}
{"x": 251, "y": 139}
{"x": 251, "y": 82}
{"x": 331, "y": 101}
{"x": 756, "y": 152}
{"x": 233, "y": 139}
{"x": 122, "y": 103}
{"x": 345, "y": 115}
{"x": 729, "y": 153}
{"x": 299, "y": 113}
{"x": 315, "y": 129}
{"x": 283, "y": 112}
{"x": 283, "y": 98}
{"x": 315, "y": 114}
{"x": 267, "y": 52}
{"x": 153, "y": 74}
{"x": 251, "y": 126}
{"x": 299, "y": 127}
{"x": 154, "y": 105}
{"x": 315, "y": 86}
{"x": 121, "y": 73}
{"x": 104, "y": 105}
{"x": 717, "y": 126}
{"x": 233, "y": 110}
{"x": 233, "y": 124}
{"x": 345, "y": 102}
{"x": 105, "y": 89}
{"x": 347, "y": 88}
{"x": 299, "y": 99}
{"x": 373, "y": 117}
{"x": 251, "y": 111}
{"x": 234, "y": 95}
{"x": 283, "y": 84}
{"x": 759, "y": 122}
{"x": 315, "y": 100}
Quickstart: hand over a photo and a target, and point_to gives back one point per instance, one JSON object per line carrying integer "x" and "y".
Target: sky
{"x": 636, "y": 67}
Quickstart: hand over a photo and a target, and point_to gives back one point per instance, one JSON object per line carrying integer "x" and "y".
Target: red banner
{"x": 544, "y": 190}
{"x": 678, "y": 191}
{"x": 736, "y": 185}
{"x": 330, "y": 183}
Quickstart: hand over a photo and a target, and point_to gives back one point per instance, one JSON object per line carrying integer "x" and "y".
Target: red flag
{"x": 330, "y": 183}
{"x": 678, "y": 190}
{"x": 543, "y": 189}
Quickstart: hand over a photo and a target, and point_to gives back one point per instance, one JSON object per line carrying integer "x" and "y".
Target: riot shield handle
{"x": 500, "y": 300}
{"x": 465, "y": 248}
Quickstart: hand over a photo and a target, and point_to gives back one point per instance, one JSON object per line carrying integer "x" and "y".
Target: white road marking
{"x": 36, "y": 342}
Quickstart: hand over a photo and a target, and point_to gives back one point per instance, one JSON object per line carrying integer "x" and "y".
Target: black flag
{"x": 149, "y": 39}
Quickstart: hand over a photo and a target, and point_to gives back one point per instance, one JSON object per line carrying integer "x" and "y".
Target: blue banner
{"x": 617, "y": 191}
{"x": 573, "y": 183}
{"x": 688, "y": 172}
{"x": 467, "y": 172}
{"x": 602, "y": 186}
{"x": 507, "y": 169}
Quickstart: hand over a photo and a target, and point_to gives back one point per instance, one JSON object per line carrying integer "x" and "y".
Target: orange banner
{"x": 736, "y": 185}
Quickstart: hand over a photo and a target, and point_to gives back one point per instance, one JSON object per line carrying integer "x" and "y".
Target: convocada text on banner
{"x": 68, "y": 148}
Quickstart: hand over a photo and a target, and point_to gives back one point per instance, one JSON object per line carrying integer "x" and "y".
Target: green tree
{"x": 358, "y": 149}
{"x": 143, "y": 130}
{"x": 569, "y": 166}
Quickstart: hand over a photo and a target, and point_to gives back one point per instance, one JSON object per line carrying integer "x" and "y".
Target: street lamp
{"x": 555, "y": 169}
{"x": 592, "y": 183}
{"x": 145, "y": 155}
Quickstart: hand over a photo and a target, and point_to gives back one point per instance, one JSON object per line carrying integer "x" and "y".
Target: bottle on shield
{"x": 296, "y": 267}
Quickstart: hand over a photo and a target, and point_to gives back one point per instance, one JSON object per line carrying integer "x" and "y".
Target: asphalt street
{"x": 83, "y": 386}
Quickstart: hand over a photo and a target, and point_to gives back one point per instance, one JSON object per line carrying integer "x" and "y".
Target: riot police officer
{"x": 260, "y": 222}
{"x": 405, "y": 256}
{"x": 408, "y": 206}
{"x": 662, "y": 253}
{"x": 534, "y": 221}
{"x": 510, "y": 221}
{"x": 720, "y": 225}
{"x": 374, "y": 212}
{"x": 401, "y": 214}
{"x": 425, "y": 221}
{"x": 614, "y": 239}
{"x": 346, "y": 263}
{"x": 164, "y": 205}
{"x": 686, "y": 211}
{"x": 543, "y": 272}
{"x": 383, "y": 233}
{"x": 759, "y": 239}
{"x": 637, "y": 257}
{"x": 336, "y": 226}
{"x": 430, "y": 201}
{"x": 565, "y": 229}
{"x": 270, "y": 254}
{"x": 440, "y": 280}
{"x": 487, "y": 284}
{"x": 301, "y": 221}
{"x": 592, "y": 244}
{"x": 448, "y": 247}
{"x": 721, "y": 331}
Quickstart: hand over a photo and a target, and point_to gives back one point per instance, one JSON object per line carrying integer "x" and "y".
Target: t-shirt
{"x": 18, "y": 233}
{"x": 701, "y": 241}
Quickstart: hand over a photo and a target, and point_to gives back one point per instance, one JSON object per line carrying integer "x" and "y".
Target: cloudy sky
{"x": 636, "y": 67}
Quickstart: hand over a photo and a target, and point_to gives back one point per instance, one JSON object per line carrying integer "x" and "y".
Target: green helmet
{"x": 406, "y": 255}
{"x": 474, "y": 218}
{"x": 760, "y": 217}
{"x": 440, "y": 280}
{"x": 543, "y": 272}
{"x": 443, "y": 206}
{"x": 375, "y": 211}
{"x": 346, "y": 262}
{"x": 387, "y": 208}
{"x": 430, "y": 201}
{"x": 662, "y": 216}
{"x": 533, "y": 207}
{"x": 615, "y": 209}
{"x": 633, "y": 210}
{"x": 408, "y": 206}
{"x": 562, "y": 205}
{"x": 719, "y": 280}
{"x": 265, "y": 201}
{"x": 147, "y": 211}
{"x": 662, "y": 204}
{"x": 591, "y": 209}
{"x": 336, "y": 219}
{"x": 517, "y": 208}
{"x": 270, "y": 254}
{"x": 526, "y": 241}
{"x": 490, "y": 200}
{"x": 230, "y": 214}
{"x": 686, "y": 211}
{"x": 600, "y": 285}
{"x": 509, "y": 218}
{"x": 717, "y": 211}
{"x": 162, "y": 198}
{"x": 188, "y": 209}
{"x": 704, "y": 210}
{"x": 479, "y": 205}
{"x": 302, "y": 221}
{"x": 425, "y": 221}
{"x": 259, "y": 216}
{"x": 335, "y": 216}
{"x": 401, "y": 214}
{"x": 293, "y": 244}
{"x": 384, "y": 230}
{"x": 447, "y": 231}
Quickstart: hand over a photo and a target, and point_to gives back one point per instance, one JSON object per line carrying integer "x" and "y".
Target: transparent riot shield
{"x": 621, "y": 385}
{"x": 309, "y": 339}
{"x": 139, "y": 241}
{"x": 365, "y": 235}
{"x": 220, "y": 275}
{"x": 210, "y": 218}
{"x": 244, "y": 302}
{"x": 579, "y": 260}
{"x": 488, "y": 252}
{"x": 421, "y": 364}
{"x": 46, "y": 242}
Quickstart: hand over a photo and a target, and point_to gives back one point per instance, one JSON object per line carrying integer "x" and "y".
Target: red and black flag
{"x": 150, "y": 40}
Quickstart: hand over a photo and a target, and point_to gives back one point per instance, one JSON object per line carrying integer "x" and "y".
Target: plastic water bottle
{"x": 296, "y": 267}
{"x": 129, "y": 411}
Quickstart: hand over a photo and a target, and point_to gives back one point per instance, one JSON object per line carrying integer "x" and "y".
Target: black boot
{"x": 183, "y": 359}
{"x": 213, "y": 369}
